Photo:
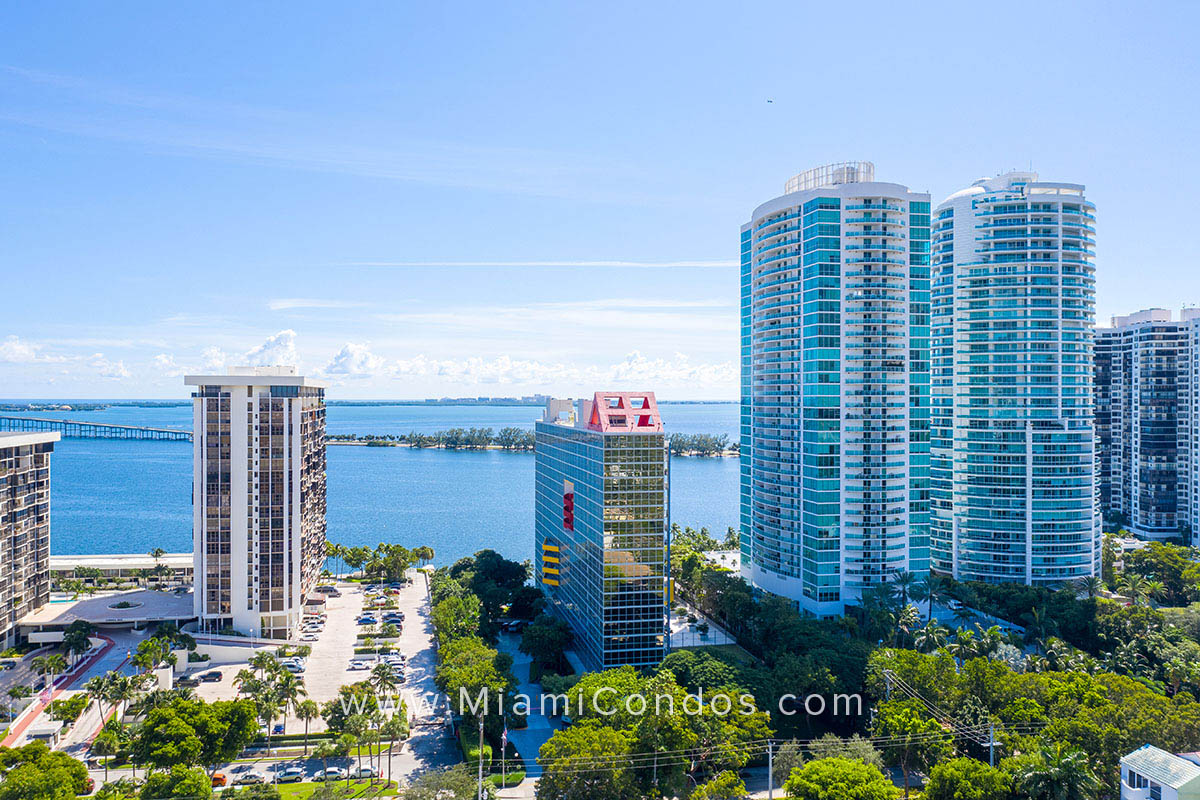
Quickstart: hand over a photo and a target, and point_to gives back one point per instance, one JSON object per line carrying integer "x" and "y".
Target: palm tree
{"x": 931, "y": 637}
{"x": 963, "y": 646}
{"x": 264, "y": 663}
{"x": 383, "y": 678}
{"x": 989, "y": 640}
{"x": 105, "y": 745}
{"x": 290, "y": 691}
{"x": 98, "y": 688}
{"x": 903, "y": 581}
{"x": 1156, "y": 590}
{"x": 395, "y": 728}
{"x": 1092, "y": 585}
{"x": 906, "y": 622}
{"x": 49, "y": 666}
{"x": 307, "y": 710}
{"x": 1039, "y": 626}
{"x": 1058, "y": 773}
{"x": 77, "y": 639}
{"x": 325, "y": 751}
{"x": 157, "y": 553}
{"x": 357, "y": 725}
{"x": 1134, "y": 587}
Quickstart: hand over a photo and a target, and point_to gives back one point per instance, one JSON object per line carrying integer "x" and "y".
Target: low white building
{"x": 1149, "y": 773}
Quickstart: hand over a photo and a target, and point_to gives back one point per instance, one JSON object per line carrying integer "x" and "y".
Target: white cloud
{"x": 212, "y": 358}
{"x": 15, "y": 350}
{"x": 354, "y": 361}
{"x": 279, "y": 349}
{"x": 107, "y": 368}
{"x": 682, "y": 264}
{"x": 289, "y": 303}
{"x": 635, "y": 371}
{"x": 166, "y": 366}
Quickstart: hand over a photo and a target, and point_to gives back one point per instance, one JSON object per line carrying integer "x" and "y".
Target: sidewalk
{"x": 63, "y": 682}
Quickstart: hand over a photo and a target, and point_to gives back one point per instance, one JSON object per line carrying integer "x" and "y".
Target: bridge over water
{"x": 75, "y": 429}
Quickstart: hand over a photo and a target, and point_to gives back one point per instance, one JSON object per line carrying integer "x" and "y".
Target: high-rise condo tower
{"x": 24, "y": 527}
{"x": 258, "y": 497}
{"x": 1013, "y": 474}
{"x": 601, "y": 517}
{"x": 835, "y": 387}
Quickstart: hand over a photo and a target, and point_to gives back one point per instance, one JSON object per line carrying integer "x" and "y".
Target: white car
{"x": 309, "y": 637}
{"x": 290, "y": 775}
{"x": 365, "y": 771}
{"x": 359, "y": 664}
{"x": 330, "y": 774}
{"x": 250, "y": 777}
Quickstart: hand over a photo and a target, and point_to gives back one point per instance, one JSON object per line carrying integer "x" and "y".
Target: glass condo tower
{"x": 835, "y": 387}
{"x": 1013, "y": 475}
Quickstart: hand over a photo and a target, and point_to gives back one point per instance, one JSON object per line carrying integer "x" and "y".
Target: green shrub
{"x": 511, "y": 779}
{"x": 69, "y": 710}
{"x": 469, "y": 741}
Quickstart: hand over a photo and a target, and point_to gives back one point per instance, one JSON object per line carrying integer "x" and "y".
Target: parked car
{"x": 187, "y": 681}
{"x": 250, "y": 777}
{"x": 309, "y": 637}
{"x": 330, "y": 774}
{"x": 7, "y": 663}
{"x": 367, "y": 621}
{"x": 290, "y": 775}
{"x": 219, "y": 779}
{"x": 278, "y": 729}
{"x": 365, "y": 771}
{"x": 356, "y": 663}
{"x": 326, "y": 589}
{"x": 211, "y": 677}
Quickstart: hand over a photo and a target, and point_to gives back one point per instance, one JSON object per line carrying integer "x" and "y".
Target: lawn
{"x": 731, "y": 653}
{"x": 358, "y": 788}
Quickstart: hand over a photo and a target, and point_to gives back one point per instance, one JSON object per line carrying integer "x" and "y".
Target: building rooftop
{"x": 143, "y": 606}
{"x": 831, "y": 175}
{"x": 120, "y": 561}
{"x": 23, "y": 439}
{"x": 607, "y": 412}
{"x": 282, "y": 375}
{"x": 1162, "y": 767}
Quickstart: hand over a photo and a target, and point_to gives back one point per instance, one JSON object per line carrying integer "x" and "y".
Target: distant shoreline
{"x": 495, "y": 447}
{"x": 100, "y": 405}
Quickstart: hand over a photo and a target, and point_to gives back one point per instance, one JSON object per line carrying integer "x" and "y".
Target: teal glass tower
{"x": 1013, "y": 490}
{"x": 835, "y": 387}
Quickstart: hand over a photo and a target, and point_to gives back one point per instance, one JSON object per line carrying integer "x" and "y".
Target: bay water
{"x": 117, "y": 496}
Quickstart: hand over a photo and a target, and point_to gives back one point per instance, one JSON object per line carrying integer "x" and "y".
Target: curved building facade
{"x": 1013, "y": 474}
{"x": 835, "y": 377}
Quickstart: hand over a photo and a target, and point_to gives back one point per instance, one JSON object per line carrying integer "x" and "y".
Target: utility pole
{"x": 992, "y": 745}
{"x": 481, "y": 758}
{"x": 770, "y": 770}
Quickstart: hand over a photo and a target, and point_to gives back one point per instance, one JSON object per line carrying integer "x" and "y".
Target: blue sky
{"x": 501, "y": 198}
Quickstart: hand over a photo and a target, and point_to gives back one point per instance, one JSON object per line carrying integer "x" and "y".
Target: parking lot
{"x": 328, "y": 666}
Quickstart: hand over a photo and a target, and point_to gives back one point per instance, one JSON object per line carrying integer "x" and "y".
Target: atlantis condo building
{"x": 1138, "y": 435}
{"x": 835, "y": 387}
{"x": 1147, "y": 371}
{"x": 24, "y": 527}
{"x": 258, "y": 496}
{"x": 601, "y": 519}
{"x": 1013, "y": 473}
